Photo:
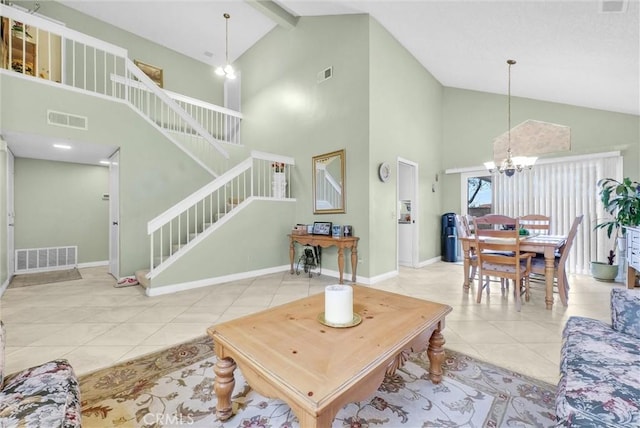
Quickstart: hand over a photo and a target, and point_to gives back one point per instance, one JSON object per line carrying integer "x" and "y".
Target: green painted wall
{"x": 406, "y": 116}
{"x": 255, "y": 238}
{"x": 287, "y": 111}
{"x": 181, "y": 74}
{"x": 154, "y": 173}
{"x": 60, "y": 204}
{"x": 3, "y": 213}
{"x": 472, "y": 120}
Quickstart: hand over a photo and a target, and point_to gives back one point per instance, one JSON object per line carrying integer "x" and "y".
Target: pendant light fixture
{"x": 511, "y": 164}
{"x": 227, "y": 70}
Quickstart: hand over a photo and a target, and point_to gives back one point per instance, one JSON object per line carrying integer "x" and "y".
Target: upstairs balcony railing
{"x": 36, "y": 48}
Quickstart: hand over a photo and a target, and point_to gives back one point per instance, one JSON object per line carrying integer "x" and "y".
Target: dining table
{"x": 546, "y": 245}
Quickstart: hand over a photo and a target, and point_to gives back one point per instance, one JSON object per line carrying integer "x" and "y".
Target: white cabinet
{"x": 633, "y": 255}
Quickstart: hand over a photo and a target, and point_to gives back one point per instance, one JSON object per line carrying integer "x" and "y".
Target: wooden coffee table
{"x": 286, "y": 353}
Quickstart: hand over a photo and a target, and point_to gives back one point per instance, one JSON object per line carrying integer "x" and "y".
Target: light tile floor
{"x": 93, "y": 324}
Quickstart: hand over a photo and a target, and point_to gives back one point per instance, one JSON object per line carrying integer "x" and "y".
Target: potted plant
{"x": 622, "y": 201}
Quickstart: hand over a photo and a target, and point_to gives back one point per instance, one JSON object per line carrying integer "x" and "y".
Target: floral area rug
{"x": 174, "y": 388}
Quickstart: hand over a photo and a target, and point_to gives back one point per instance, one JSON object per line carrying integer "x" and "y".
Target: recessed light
{"x": 62, "y": 146}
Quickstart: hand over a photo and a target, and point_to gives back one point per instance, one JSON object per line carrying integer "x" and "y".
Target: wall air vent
{"x": 325, "y": 74}
{"x": 613, "y": 6}
{"x": 46, "y": 259}
{"x": 67, "y": 120}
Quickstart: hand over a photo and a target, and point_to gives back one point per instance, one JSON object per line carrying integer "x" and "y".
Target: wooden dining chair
{"x": 499, "y": 255}
{"x": 560, "y": 262}
{"x": 536, "y": 223}
{"x": 464, "y": 231}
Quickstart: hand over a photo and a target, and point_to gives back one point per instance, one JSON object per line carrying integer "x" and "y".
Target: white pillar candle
{"x": 338, "y": 304}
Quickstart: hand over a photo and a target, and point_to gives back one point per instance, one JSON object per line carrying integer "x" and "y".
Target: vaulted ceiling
{"x": 583, "y": 52}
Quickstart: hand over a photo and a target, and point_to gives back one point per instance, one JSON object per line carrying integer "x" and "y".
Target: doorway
{"x": 477, "y": 193}
{"x": 11, "y": 217}
{"x": 114, "y": 215}
{"x": 407, "y": 215}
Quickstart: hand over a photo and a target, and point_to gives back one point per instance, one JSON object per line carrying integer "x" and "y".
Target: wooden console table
{"x": 350, "y": 242}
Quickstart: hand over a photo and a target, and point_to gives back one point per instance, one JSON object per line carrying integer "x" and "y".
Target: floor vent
{"x": 45, "y": 259}
{"x": 67, "y": 120}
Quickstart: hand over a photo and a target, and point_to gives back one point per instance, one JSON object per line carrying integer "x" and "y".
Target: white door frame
{"x": 114, "y": 214}
{"x": 464, "y": 177}
{"x": 415, "y": 212}
{"x": 11, "y": 215}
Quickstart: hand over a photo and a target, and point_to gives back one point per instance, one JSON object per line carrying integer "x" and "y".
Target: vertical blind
{"x": 563, "y": 189}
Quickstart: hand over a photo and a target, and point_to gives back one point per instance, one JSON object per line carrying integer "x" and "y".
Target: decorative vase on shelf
{"x": 279, "y": 185}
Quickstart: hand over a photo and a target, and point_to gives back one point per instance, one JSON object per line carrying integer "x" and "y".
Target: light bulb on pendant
{"x": 227, "y": 70}
{"x": 511, "y": 164}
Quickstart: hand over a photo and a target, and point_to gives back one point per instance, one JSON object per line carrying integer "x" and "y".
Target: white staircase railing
{"x": 174, "y": 232}
{"x": 328, "y": 190}
{"x": 36, "y": 48}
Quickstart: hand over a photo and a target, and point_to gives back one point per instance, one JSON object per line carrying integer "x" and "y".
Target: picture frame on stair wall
{"x": 154, "y": 73}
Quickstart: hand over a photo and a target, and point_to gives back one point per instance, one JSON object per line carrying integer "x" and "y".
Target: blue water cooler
{"x": 449, "y": 238}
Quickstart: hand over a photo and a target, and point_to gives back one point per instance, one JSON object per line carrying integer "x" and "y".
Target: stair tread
{"x": 141, "y": 276}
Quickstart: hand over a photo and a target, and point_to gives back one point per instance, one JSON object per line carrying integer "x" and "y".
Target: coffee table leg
{"x": 223, "y": 387}
{"x": 435, "y": 352}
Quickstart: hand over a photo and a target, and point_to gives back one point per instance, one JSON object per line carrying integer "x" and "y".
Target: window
{"x": 563, "y": 188}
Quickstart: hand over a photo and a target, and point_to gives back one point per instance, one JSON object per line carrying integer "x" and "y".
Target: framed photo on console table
{"x": 322, "y": 228}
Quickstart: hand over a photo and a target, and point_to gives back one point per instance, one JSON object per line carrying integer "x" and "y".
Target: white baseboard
{"x": 93, "y": 264}
{"x": 382, "y": 277}
{"x": 173, "y": 288}
{"x": 5, "y": 285}
{"x": 429, "y": 262}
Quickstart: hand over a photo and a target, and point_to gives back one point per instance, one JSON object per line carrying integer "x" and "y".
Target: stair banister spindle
{"x": 37, "y": 63}
{"x": 171, "y": 238}
{"x": 211, "y": 208}
{"x": 95, "y": 71}
{"x": 49, "y": 68}
{"x": 104, "y": 70}
{"x": 10, "y": 43}
{"x": 84, "y": 73}
{"x": 24, "y": 50}
{"x": 161, "y": 244}
{"x": 188, "y": 227}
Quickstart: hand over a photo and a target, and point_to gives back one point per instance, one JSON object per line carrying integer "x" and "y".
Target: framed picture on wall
{"x": 154, "y": 73}
{"x": 322, "y": 228}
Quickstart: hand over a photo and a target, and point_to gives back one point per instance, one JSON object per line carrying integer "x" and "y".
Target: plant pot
{"x": 604, "y": 271}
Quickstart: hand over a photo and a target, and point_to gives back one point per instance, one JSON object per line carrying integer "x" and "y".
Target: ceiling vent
{"x": 613, "y": 6}
{"x": 325, "y": 74}
{"x": 67, "y": 120}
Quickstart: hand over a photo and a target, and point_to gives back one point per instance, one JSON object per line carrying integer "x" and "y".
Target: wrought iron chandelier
{"x": 227, "y": 70}
{"x": 511, "y": 164}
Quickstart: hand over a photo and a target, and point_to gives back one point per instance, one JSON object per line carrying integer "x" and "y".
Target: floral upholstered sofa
{"x": 600, "y": 368}
{"x": 47, "y": 395}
